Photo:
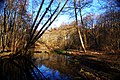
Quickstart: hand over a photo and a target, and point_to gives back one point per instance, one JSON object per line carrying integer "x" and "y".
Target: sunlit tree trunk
{"x": 82, "y": 23}
{"x": 78, "y": 29}
{"x": 84, "y": 31}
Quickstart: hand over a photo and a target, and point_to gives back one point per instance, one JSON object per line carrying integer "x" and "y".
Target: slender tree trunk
{"x": 81, "y": 40}
{"x": 4, "y": 31}
{"x": 81, "y": 19}
{"x": 3, "y": 41}
{"x": 79, "y": 33}
{"x": 13, "y": 34}
{"x": 0, "y": 38}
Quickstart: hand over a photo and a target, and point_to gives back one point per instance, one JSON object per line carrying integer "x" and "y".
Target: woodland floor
{"x": 98, "y": 65}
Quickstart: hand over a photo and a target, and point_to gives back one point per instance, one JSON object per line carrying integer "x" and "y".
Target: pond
{"x": 55, "y": 66}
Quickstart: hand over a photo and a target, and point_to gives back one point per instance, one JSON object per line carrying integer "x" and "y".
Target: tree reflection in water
{"x": 19, "y": 68}
{"x": 54, "y": 66}
{"x": 52, "y": 74}
{"x": 45, "y": 67}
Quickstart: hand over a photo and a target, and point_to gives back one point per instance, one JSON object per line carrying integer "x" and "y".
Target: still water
{"x": 55, "y": 66}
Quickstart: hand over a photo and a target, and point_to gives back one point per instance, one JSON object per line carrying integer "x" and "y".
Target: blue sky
{"x": 1, "y": 4}
{"x": 65, "y": 18}
{"x": 58, "y": 21}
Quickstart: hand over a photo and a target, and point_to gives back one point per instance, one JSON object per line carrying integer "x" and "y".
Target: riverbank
{"x": 79, "y": 65}
{"x": 87, "y": 66}
{"x": 98, "y": 65}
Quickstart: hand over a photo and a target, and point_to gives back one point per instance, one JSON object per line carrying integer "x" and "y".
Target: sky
{"x": 60, "y": 19}
{"x": 64, "y": 18}
{"x": 1, "y": 4}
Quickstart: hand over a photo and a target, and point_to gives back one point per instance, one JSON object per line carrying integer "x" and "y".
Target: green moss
{"x": 60, "y": 51}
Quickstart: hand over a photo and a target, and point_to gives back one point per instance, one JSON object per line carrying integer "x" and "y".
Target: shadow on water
{"x": 83, "y": 67}
{"x": 56, "y": 66}
{"x": 43, "y": 66}
{"x": 19, "y": 68}
{"x": 53, "y": 66}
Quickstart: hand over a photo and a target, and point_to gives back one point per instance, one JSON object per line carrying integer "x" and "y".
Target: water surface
{"x": 55, "y": 66}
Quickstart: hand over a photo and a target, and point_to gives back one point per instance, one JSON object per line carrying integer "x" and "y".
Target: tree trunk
{"x": 81, "y": 40}
{"x": 82, "y": 23}
{"x": 3, "y": 46}
{"x": 79, "y": 33}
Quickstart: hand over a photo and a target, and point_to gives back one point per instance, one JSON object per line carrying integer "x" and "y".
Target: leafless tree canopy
{"x": 19, "y": 29}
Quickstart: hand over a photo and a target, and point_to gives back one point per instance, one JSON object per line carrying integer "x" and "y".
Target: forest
{"x": 86, "y": 46}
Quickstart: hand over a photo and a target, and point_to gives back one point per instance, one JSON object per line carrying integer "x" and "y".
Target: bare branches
{"x": 49, "y": 21}
{"x": 52, "y": 19}
{"x": 20, "y": 32}
{"x": 41, "y": 5}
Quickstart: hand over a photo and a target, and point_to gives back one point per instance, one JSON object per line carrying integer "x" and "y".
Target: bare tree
{"x": 20, "y": 34}
{"x": 83, "y": 46}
